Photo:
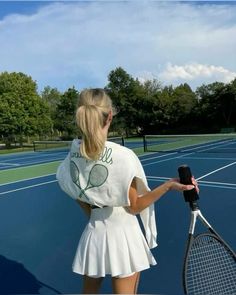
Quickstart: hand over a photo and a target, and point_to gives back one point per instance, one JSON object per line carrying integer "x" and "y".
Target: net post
{"x": 34, "y": 145}
{"x": 123, "y": 141}
{"x": 144, "y": 144}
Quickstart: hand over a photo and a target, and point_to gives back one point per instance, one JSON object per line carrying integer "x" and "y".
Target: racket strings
{"x": 211, "y": 268}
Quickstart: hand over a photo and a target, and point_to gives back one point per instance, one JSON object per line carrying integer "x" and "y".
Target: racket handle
{"x": 185, "y": 176}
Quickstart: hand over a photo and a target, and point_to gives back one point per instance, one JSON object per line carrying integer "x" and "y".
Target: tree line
{"x": 143, "y": 108}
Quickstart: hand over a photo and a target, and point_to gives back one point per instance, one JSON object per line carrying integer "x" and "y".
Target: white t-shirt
{"x": 106, "y": 182}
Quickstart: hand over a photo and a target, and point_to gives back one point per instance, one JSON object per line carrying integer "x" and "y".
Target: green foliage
{"x": 65, "y": 113}
{"x": 149, "y": 108}
{"x": 217, "y": 103}
{"x": 121, "y": 88}
{"x": 143, "y": 108}
{"x": 52, "y": 98}
{"x": 22, "y": 111}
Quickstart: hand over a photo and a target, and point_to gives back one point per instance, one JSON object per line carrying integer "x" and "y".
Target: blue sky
{"x": 64, "y": 44}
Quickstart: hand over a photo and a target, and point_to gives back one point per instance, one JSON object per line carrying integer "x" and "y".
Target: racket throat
{"x": 83, "y": 194}
{"x": 194, "y": 215}
{"x": 197, "y": 214}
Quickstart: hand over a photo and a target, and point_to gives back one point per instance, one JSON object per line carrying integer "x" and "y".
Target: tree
{"x": 227, "y": 104}
{"x": 22, "y": 111}
{"x": 209, "y": 113}
{"x": 120, "y": 85}
{"x": 164, "y": 113}
{"x": 134, "y": 100}
{"x": 65, "y": 113}
{"x": 182, "y": 107}
{"x": 52, "y": 97}
{"x": 152, "y": 87}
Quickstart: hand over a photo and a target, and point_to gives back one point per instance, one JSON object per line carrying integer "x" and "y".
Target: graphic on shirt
{"x": 106, "y": 156}
{"x": 97, "y": 176}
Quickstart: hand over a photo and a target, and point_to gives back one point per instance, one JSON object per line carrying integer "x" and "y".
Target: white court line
{"x": 158, "y": 177}
{"x": 214, "y": 171}
{"x": 207, "y": 158}
{"x": 214, "y": 182}
{"x": 26, "y": 187}
{"x": 45, "y": 161}
{"x": 35, "y": 156}
{"x": 157, "y": 157}
{"x": 8, "y": 164}
{"x": 168, "y": 159}
{"x": 25, "y": 167}
{"x": 26, "y": 179}
{"x": 201, "y": 181}
{"x": 205, "y": 148}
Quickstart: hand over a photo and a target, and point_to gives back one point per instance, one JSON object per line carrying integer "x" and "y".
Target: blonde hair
{"x": 92, "y": 113}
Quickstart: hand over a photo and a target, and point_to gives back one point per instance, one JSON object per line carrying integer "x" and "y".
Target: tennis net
{"x": 57, "y": 146}
{"x": 222, "y": 143}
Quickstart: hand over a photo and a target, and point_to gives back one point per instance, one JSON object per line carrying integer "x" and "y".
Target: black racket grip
{"x": 185, "y": 177}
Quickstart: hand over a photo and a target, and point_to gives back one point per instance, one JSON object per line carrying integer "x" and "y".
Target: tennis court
{"x": 41, "y": 226}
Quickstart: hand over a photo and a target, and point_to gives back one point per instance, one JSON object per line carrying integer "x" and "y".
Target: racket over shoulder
{"x": 209, "y": 263}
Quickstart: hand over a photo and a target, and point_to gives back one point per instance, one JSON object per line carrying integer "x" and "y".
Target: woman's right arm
{"x": 137, "y": 204}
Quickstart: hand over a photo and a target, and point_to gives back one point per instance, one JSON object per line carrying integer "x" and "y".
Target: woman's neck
{"x": 105, "y": 130}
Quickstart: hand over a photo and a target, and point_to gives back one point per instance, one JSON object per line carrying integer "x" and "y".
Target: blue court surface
{"x": 29, "y": 158}
{"x": 41, "y": 226}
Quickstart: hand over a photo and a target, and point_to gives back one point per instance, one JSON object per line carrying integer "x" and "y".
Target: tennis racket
{"x": 74, "y": 172}
{"x": 97, "y": 176}
{"x": 209, "y": 263}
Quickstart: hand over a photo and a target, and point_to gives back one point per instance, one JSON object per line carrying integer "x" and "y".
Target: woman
{"x": 108, "y": 182}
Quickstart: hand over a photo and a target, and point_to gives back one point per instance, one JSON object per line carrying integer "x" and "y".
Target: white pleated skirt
{"x": 112, "y": 243}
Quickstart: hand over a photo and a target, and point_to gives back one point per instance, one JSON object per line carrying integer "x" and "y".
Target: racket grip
{"x": 185, "y": 176}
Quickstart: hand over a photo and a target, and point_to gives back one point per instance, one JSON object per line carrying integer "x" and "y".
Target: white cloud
{"x": 79, "y": 43}
{"x": 195, "y": 71}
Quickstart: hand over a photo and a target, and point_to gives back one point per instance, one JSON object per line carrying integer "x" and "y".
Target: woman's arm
{"x": 138, "y": 204}
{"x": 86, "y": 208}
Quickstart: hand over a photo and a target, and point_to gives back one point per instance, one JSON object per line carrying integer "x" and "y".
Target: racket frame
{"x": 195, "y": 215}
{"x": 191, "y": 197}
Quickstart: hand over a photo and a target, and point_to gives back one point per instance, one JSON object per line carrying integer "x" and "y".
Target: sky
{"x": 77, "y": 43}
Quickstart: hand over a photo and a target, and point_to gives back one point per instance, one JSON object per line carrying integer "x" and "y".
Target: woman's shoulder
{"x": 75, "y": 143}
{"x": 121, "y": 151}
{"x": 118, "y": 147}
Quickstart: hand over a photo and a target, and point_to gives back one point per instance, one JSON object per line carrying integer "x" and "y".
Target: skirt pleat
{"x": 112, "y": 243}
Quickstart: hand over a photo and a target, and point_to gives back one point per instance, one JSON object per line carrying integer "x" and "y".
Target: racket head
{"x": 210, "y": 266}
{"x": 74, "y": 172}
{"x": 98, "y": 175}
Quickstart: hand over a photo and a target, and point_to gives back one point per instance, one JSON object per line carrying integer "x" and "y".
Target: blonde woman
{"x": 108, "y": 182}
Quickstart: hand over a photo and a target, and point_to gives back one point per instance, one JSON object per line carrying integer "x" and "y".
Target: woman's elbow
{"x": 133, "y": 209}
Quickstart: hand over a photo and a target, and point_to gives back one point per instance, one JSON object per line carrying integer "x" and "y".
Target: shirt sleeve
{"x": 147, "y": 215}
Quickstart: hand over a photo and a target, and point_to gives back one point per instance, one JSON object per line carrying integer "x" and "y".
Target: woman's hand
{"x": 174, "y": 184}
{"x": 194, "y": 182}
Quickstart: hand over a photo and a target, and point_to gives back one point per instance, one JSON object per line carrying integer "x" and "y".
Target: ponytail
{"x": 91, "y": 116}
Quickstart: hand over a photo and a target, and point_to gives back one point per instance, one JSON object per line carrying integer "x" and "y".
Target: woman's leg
{"x": 126, "y": 285}
{"x": 91, "y": 285}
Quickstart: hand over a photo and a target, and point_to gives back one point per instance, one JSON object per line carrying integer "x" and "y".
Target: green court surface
{"x": 22, "y": 173}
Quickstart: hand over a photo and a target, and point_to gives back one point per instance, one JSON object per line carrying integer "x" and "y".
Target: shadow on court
{"x": 15, "y": 278}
